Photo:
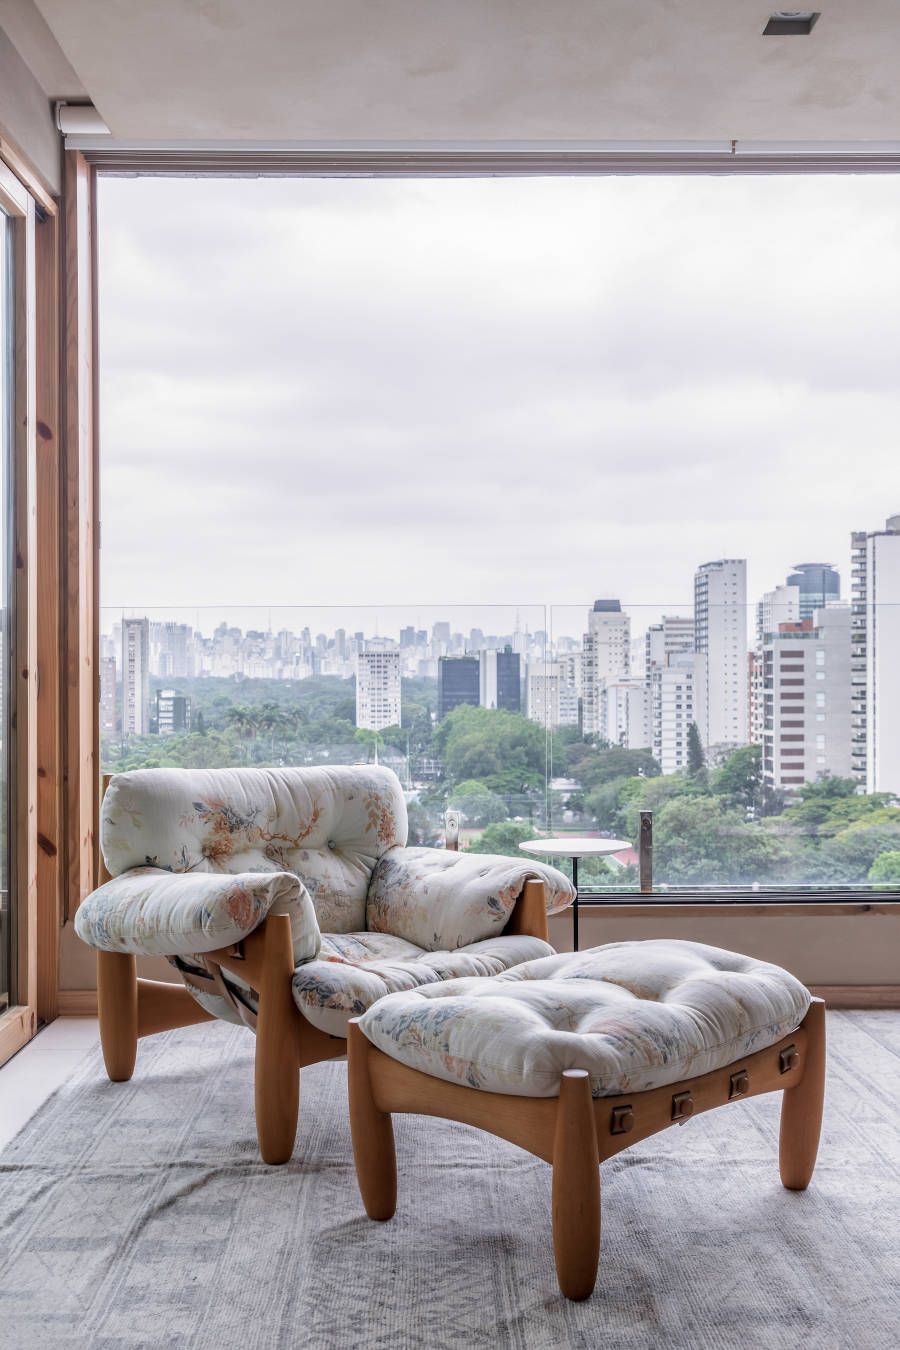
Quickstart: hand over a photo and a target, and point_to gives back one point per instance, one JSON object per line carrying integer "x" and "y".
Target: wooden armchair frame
{"x": 575, "y": 1132}
{"x": 129, "y": 1008}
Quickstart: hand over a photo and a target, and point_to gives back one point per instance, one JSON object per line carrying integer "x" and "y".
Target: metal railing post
{"x": 645, "y": 853}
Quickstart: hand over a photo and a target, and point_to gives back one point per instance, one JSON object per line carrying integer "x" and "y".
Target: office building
{"x": 807, "y": 732}
{"x": 459, "y": 682}
{"x": 500, "y": 680}
{"x": 173, "y": 712}
{"x": 818, "y": 584}
{"x": 378, "y": 685}
{"x": 875, "y": 657}
{"x": 135, "y": 677}
{"x": 720, "y": 634}
{"x": 606, "y": 656}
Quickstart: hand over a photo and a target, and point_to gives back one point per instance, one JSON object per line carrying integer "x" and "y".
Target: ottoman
{"x": 576, "y": 1056}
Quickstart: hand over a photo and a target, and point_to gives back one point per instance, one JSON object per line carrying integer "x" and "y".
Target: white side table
{"x": 574, "y": 848}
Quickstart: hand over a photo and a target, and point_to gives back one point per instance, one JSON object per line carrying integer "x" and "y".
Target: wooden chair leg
{"x": 576, "y": 1187}
{"x": 117, "y": 1009}
{"x": 372, "y": 1133}
{"x": 801, "y": 1108}
{"x": 277, "y": 1053}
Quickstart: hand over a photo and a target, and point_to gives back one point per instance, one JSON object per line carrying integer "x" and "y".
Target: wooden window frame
{"x": 33, "y": 695}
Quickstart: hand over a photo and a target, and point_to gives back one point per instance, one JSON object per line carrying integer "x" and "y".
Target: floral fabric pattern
{"x": 636, "y": 1015}
{"x": 328, "y": 827}
{"x": 156, "y": 913}
{"x": 442, "y": 900}
{"x": 354, "y": 970}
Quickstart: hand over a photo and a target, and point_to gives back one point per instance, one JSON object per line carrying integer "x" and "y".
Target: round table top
{"x": 574, "y": 847}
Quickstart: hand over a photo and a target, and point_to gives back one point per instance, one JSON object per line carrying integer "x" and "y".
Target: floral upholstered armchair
{"x": 288, "y": 901}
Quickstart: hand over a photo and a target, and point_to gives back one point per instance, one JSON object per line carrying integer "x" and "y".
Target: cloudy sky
{"x": 420, "y": 395}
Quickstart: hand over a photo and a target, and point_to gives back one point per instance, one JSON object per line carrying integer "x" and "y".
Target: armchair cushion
{"x": 354, "y": 970}
{"x": 156, "y": 913}
{"x": 328, "y": 826}
{"x": 442, "y": 900}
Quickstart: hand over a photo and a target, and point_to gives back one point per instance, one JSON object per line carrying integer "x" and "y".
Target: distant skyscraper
{"x": 606, "y": 657}
{"x": 173, "y": 712}
{"x": 776, "y": 607}
{"x": 551, "y": 694}
{"x": 806, "y": 731}
{"x": 459, "y": 682}
{"x": 108, "y": 719}
{"x": 720, "y": 634}
{"x": 677, "y": 691}
{"x": 819, "y": 586}
{"x": 500, "y": 680}
{"x": 662, "y": 640}
{"x": 627, "y": 714}
{"x": 875, "y": 657}
{"x": 135, "y": 677}
{"x": 378, "y": 685}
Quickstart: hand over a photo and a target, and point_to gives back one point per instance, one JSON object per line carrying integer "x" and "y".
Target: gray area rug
{"x": 139, "y": 1214}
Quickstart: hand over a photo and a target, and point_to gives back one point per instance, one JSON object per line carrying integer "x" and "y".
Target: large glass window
{"x": 6, "y": 428}
{"x": 569, "y": 498}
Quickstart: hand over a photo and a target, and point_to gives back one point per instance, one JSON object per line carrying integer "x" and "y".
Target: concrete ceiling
{"x": 480, "y": 70}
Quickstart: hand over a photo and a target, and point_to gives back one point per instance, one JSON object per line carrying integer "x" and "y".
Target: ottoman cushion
{"x": 636, "y": 1015}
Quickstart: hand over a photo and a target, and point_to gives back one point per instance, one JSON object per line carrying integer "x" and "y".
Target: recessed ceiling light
{"x": 788, "y": 22}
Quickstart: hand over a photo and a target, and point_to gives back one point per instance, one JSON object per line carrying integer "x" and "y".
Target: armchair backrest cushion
{"x": 328, "y": 826}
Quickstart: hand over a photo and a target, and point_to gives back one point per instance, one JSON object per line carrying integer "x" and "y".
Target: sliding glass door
{"x": 6, "y": 426}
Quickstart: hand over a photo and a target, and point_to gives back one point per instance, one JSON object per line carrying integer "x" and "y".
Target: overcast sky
{"x": 521, "y": 392}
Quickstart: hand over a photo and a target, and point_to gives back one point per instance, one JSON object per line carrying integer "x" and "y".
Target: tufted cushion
{"x": 355, "y": 969}
{"x": 326, "y": 826}
{"x": 157, "y": 913}
{"x": 636, "y": 1015}
{"x": 441, "y": 900}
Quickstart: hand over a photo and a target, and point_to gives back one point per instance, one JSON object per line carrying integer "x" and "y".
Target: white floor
{"x": 31, "y": 1076}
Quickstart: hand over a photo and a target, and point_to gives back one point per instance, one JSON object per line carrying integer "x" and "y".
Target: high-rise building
{"x": 500, "y": 680}
{"x": 459, "y": 682}
{"x": 171, "y": 650}
{"x": 806, "y": 732}
{"x": 173, "y": 712}
{"x": 135, "y": 677}
{"x": 819, "y": 585}
{"x": 378, "y": 685}
{"x": 108, "y": 719}
{"x": 875, "y": 657}
{"x": 606, "y": 656}
{"x": 674, "y": 634}
{"x": 552, "y": 694}
{"x": 776, "y": 607}
{"x": 627, "y": 714}
{"x": 720, "y": 634}
{"x": 677, "y": 691}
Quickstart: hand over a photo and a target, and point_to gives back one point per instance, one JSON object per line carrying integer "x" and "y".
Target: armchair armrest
{"x": 152, "y": 912}
{"x": 442, "y": 900}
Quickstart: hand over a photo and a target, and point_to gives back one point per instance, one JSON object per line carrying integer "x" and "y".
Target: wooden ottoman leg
{"x": 277, "y": 1055}
{"x": 576, "y": 1187}
{"x": 117, "y": 1009}
{"x": 801, "y": 1107}
{"x": 372, "y": 1132}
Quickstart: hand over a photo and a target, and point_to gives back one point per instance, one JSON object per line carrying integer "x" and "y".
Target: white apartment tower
{"x": 782, "y": 605}
{"x": 628, "y": 714}
{"x": 875, "y": 657}
{"x": 606, "y": 657}
{"x": 378, "y": 685}
{"x": 806, "y": 732}
{"x": 674, "y": 634}
{"x": 551, "y": 694}
{"x": 720, "y": 634}
{"x": 135, "y": 677}
{"x": 677, "y": 690}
